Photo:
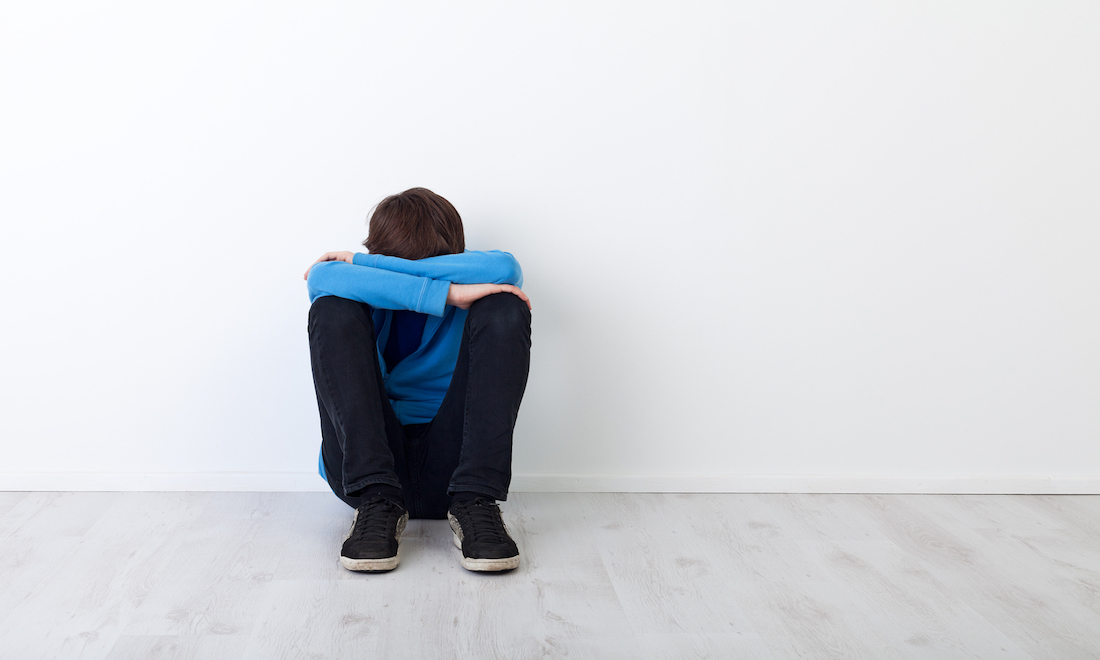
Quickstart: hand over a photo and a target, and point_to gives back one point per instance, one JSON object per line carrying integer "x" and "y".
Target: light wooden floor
{"x": 256, "y": 575}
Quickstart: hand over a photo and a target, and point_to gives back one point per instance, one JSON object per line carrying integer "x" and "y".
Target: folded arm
{"x": 378, "y": 287}
{"x": 469, "y": 267}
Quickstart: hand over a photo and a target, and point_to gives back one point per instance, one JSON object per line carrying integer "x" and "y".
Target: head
{"x": 415, "y": 224}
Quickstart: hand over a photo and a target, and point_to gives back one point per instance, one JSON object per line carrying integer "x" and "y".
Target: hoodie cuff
{"x": 433, "y": 297}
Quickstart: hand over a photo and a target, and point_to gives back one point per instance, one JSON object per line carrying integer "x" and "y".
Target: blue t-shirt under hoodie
{"x": 405, "y": 335}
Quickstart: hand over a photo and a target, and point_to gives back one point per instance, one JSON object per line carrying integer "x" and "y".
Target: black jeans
{"x": 468, "y": 444}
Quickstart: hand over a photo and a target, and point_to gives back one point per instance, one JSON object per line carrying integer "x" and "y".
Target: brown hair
{"x": 413, "y": 225}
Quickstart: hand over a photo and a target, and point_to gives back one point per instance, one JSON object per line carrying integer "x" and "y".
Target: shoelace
{"x": 373, "y": 520}
{"x": 484, "y": 521}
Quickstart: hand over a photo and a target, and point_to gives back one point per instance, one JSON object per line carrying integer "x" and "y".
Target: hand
{"x": 330, "y": 256}
{"x": 464, "y": 295}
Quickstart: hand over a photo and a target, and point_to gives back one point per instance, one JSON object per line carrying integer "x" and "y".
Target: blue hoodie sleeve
{"x": 378, "y": 287}
{"x": 469, "y": 267}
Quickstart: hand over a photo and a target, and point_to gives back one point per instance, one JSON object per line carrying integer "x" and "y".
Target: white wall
{"x": 763, "y": 240}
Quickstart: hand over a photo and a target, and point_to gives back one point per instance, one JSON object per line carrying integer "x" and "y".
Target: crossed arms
{"x": 423, "y": 285}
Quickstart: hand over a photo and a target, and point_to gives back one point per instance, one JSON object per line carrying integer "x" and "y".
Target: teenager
{"x": 420, "y": 351}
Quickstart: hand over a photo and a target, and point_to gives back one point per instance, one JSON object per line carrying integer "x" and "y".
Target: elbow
{"x": 503, "y": 268}
{"x": 515, "y": 273}
{"x": 315, "y": 281}
{"x": 314, "y": 292}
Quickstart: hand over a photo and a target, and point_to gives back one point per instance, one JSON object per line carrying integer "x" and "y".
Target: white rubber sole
{"x": 370, "y": 565}
{"x": 375, "y": 565}
{"x": 502, "y": 564}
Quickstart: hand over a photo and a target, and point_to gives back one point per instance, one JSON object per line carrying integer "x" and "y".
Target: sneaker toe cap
{"x": 489, "y": 552}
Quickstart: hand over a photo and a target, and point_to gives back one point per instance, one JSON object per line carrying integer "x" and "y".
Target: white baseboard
{"x": 804, "y": 483}
{"x": 167, "y": 481}
{"x": 566, "y": 483}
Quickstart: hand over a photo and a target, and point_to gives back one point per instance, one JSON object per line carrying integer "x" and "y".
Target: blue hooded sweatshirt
{"x": 418, "y": 383}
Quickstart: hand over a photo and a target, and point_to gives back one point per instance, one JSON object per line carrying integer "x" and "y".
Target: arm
{"x": 469, "y": 267}
{"x": 378, "y": 287}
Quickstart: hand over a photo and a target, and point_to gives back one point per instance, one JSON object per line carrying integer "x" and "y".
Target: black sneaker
{"x": 371, "y": 543}
{"x": 480, "y": 534}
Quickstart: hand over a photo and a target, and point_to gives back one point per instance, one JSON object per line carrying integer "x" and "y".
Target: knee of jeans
{"x": 331, "y": 311}
{"x": 505, "y": 311}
